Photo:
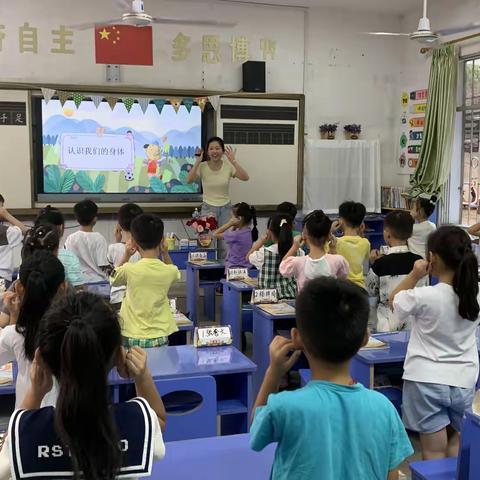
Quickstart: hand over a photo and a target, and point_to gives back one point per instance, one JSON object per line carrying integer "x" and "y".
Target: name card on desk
{"x": 197, "y": 257}
{"x": 2, "y": 285}
{"x": 268, "y": 295}
{"x": 214, "y": 356}
{"x": 212, "y": 336}
{"x": 173, "y": 305}
{"x": 237, "y": 273}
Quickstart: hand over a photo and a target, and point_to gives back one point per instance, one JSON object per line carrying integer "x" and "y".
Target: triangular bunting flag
{"x": 63, "y": 96}
{"x": 144, "y": 103}
{"x": 176, "y": 103}
{"x": 112, "y": 101}
{"x": 48, "y": 93}
{"x": 128, "y": 102}
{"x": 96, "y": 99}
{"x": 78, "y": 98}
{"x": 215, "y": 101}
{"x": 160, "y": 103}
{"x": 201, "y": 102}
{"x": 188, "y": 102}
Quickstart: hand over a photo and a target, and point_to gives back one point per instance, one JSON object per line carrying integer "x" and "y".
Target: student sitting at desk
{"x": 267, "y": 259}
{"x": 441, "y": 367}
{"x": 238, "y": 235}
{"x": 333, "y": 428}
{"x": 103, "y": 441}
{"x": 146, "y": 318}
{"x": 318, "y": 263}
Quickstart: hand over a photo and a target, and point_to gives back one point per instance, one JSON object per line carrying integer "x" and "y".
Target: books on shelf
{"x": 278, "y": 308}
{"x": 395, "y": 197}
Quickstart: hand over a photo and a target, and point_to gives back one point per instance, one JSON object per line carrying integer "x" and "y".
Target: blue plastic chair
{"x": 191, "y": 405}
{"x": 465, "y": 467}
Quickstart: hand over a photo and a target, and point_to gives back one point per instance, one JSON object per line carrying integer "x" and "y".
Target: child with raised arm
{"x": 146, "y": 318}
{"x": 441, "y": 367}
{"x": 333, "y": 428}
{"x": 318, "y": 263}
{"x": 84, "y": 435}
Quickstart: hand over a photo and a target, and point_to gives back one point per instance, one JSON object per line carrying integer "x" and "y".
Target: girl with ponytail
{"x": 441, "y": 367}
{"x": 267, "y": 259}
{"x": 41, "y": 278}
{"x": 239, "y": 235}
{"x": 79, "y": 342}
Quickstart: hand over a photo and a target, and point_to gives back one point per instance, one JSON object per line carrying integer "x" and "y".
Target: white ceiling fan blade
{"x": 184, "y": 21}
{"x": 86, "y": 26}
{"x": 123, "y": 5}
{"x": 389, "y": 34}
{"x": 453, "y": 31}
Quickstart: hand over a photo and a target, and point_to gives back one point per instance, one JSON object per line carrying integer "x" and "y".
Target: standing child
{"x": 116, "y": 251}
{"x": 318, "y": 263}
{"x": 84, "y": 436}
{"x": 90, "y": 247}
{"x": 146, "y": 318}
{"x": 315, "y": 426}
{"x": 238, "y": 235}
{"x": 388, "y": 271}
{"x": 11, "y": 236}
{"x": 422, "y": 210}
{"x": 352, "y": 245}
{"x": 267, "y": 259}
{"x": 441, "y": 367}
{"x": 41, "y": 278}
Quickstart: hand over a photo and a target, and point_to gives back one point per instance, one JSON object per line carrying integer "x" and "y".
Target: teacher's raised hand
{"x": 240, "y": 172}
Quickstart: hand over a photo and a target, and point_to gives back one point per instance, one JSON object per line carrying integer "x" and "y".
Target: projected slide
{"x": 97, "y": 150}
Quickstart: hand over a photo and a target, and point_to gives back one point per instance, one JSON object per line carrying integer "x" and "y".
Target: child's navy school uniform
{"x": 36, "y": 451}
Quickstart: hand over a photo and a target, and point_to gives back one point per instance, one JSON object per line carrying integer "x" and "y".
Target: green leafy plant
{"x": 56, "y": 182}
{"x": 157, "y": 185}
{"x": 88, "y": 185}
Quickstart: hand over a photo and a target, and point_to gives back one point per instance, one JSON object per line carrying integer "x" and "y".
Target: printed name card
{"x": 198, "y": 257}
{"x": 2, "y": 285}
{"x": 237, "y": 273}
{"x": 212, "y": 336}
{"x": 268, "y": 295}
{"x": 173, "y": 305}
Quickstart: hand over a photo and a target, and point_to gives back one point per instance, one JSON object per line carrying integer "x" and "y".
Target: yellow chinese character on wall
{"x": 211, "y": 49}
{"x": 28, "y": 38}
{"x": 2, "y": 36}
{"x": 268, "y": 48}
{"x": 180, "y": 47}
{"x": 64, "y": 39}
{"x": 240, "y": 49}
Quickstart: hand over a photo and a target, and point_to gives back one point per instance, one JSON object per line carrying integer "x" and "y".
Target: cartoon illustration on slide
{"x": 97, "y": 150}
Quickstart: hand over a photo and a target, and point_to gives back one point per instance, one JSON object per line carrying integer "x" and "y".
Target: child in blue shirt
{"x": 333, "y": 428}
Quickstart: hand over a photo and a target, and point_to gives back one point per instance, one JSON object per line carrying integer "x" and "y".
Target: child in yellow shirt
{"x": 352, "y": 245}
{"x": 146, "y": 318}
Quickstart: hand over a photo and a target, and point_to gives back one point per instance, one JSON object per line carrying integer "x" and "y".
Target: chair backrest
{"x": 191, "y": 405}
{"x": 468, "y": 467}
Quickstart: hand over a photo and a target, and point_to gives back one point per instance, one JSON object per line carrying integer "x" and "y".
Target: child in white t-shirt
{"x": 441, "y": 366}
{"x": 11, "y": 236}
{"x": 116, "y": 251}
{"x": 421, "y": 212}
{"x": 90, "y": 247}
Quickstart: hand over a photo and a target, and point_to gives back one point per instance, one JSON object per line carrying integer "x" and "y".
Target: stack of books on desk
{"x": 375, "y": 344}
{"x": 281, "y": 308}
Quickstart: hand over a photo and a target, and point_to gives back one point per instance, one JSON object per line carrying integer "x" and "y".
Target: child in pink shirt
{"x": 318, "y": 263}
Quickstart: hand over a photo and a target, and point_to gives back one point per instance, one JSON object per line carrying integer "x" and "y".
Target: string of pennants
{"x": 129, "y": 101}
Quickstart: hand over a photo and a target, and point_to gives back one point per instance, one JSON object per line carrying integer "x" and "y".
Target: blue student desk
{"x": 232, "y": 308}
{"x": 265, "y": 327}
{"x": 231, "y": 370}
{"x": 215, "y": 458}
{"x": 196, "y": 280}
{"x": 180, "y": 257}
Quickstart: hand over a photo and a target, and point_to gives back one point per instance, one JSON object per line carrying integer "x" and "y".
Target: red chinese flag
{"x": 124, "y": 45}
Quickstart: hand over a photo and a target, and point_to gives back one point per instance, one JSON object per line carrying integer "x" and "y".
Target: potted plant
{"x": 327, "y": 131}
{"x": 203, "y": 225}
{"x": 352, "y": 131}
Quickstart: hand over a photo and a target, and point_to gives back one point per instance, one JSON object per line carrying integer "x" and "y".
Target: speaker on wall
{"x": 254, "y": 76}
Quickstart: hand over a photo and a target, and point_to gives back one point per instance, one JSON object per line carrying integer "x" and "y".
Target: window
{"x": 471, "y": 139}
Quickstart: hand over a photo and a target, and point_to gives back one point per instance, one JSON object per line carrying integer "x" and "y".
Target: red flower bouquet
{"x": 203, "y": 224}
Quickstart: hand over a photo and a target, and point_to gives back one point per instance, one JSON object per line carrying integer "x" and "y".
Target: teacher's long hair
{"x": 209, "y": 141}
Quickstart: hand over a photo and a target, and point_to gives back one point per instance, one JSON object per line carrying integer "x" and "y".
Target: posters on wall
{"x": 414, "y": 106}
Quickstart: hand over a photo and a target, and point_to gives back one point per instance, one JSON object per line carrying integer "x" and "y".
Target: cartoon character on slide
{"x": 154, "y": 155}
{"x": 129, "y": 174}
{"x": 166, "y": 146}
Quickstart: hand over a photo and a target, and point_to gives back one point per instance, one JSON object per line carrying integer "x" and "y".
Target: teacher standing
{"x": 215, "y": 174}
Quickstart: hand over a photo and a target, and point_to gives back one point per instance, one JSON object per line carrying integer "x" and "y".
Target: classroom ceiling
{"x": 395, "y": 7}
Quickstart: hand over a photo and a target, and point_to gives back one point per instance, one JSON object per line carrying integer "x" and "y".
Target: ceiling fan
{"x": 425, "y": 35}
{"x": 135, "y": 15}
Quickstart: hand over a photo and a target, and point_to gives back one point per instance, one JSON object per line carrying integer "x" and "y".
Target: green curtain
{"x": 435, "y": 157}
